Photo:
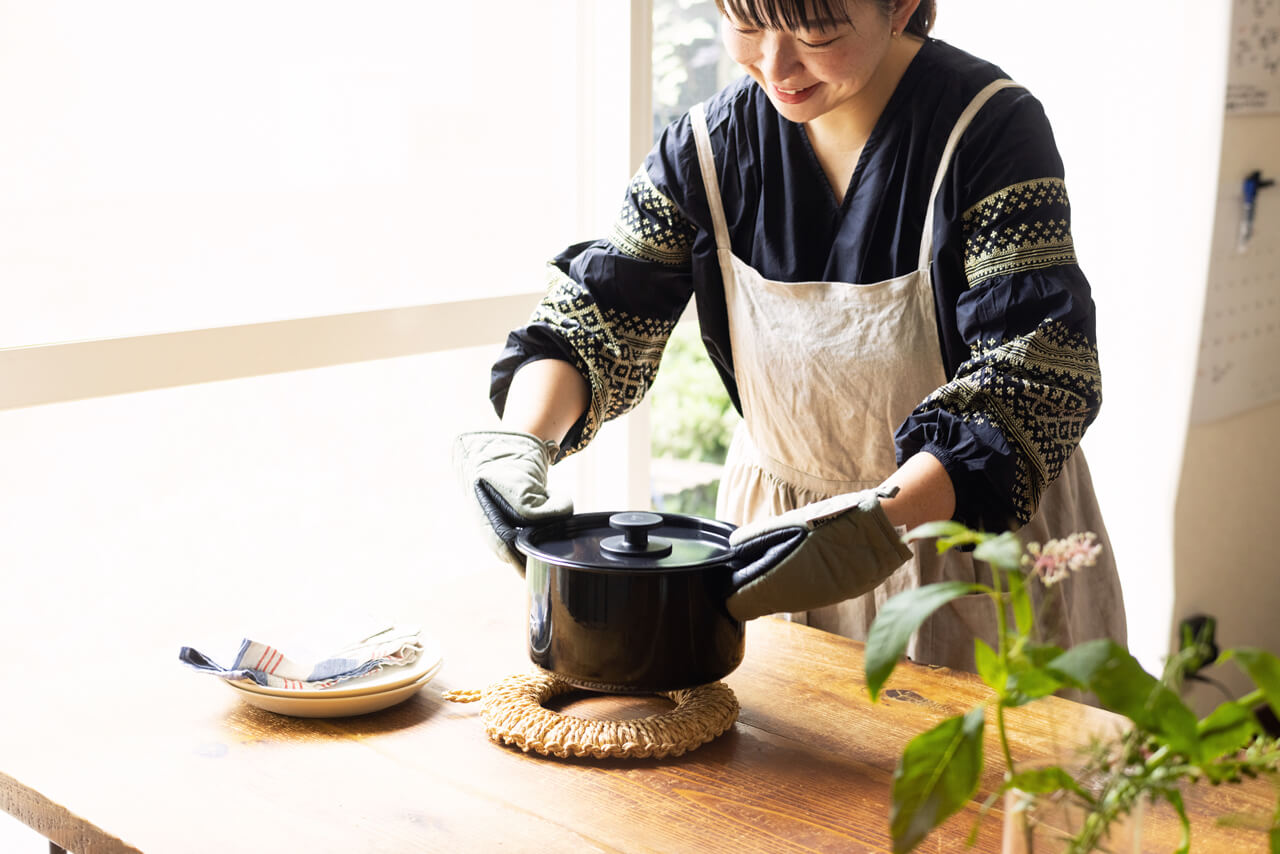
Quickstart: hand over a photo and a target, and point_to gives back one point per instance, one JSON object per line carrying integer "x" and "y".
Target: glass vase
{"x": 1045, "y": 825}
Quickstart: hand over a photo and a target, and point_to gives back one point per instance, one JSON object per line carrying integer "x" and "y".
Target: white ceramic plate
{"x": 428, "y": 661}
{"x": 312, "y": 706}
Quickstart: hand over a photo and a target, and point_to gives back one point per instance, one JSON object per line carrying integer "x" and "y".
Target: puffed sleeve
{"x": 1018, "y": 403}
{"x": 610, "y": 304}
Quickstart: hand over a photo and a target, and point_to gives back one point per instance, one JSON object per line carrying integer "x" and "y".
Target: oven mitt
{"x": 505, "y": 475}
{"x": 815, "y": 555}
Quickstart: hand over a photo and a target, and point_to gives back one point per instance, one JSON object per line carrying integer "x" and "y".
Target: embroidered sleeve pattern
{"x": 1022, "y": 227}
{"x": 617, "y": 351}
{"x": 650, "y": 227}
{"x": 1040, "y": 391}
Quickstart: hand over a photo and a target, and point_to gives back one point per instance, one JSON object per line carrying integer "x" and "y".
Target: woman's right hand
{"x": 504, "y": 474}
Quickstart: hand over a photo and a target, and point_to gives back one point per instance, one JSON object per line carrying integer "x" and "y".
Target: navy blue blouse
{"x": 1015, "y": 315}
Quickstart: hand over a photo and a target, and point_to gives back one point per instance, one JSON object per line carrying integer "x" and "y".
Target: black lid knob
{"x": 635, "y": 541}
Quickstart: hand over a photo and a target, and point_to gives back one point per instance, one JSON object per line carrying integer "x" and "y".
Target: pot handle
{"x": 755, "y": 557}
{"x": 506, "y": 522}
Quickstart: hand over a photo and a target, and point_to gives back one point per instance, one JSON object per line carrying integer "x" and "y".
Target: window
{"x": 693, "y": 419}
{"x": 257, "y": 258}
{"x": 172, "y": 166}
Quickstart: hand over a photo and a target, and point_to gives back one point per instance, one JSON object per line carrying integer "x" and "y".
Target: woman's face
{"x": 810, "y": 72}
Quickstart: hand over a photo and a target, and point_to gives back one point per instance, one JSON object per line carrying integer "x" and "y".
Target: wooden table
{"x": 154, "y": 757}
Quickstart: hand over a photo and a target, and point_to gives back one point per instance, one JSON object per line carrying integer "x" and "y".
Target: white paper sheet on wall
{"x": 1239, "y": 361}
{"x": 1239, "y": 366}
{"x": 1253, "y": 70}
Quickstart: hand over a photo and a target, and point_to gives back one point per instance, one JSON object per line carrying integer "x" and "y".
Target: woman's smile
{"x": 794, "y": 96}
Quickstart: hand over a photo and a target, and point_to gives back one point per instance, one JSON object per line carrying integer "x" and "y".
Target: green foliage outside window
{"x": 693, "y": 418}
{"x": 687, "y": 59}
{"x": 692, "y": 421}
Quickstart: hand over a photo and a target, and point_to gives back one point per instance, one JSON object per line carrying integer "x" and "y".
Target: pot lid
{"x": 607, "y": 542}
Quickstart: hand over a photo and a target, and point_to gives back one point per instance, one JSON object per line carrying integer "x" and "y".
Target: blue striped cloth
{"x": 394, "y": 646}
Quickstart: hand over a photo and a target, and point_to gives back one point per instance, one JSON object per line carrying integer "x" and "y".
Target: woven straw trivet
{"x": 513, "y": 714}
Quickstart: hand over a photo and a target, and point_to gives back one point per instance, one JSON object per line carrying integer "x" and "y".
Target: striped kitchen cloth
{"x": 394, "y": 646}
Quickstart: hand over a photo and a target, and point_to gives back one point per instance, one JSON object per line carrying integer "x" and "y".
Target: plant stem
{"x": 1002, "y": 634}
{"x": 1157, "y": 758}
{"x": 1004, "y": 740}
{"x": 1002, "y": 628}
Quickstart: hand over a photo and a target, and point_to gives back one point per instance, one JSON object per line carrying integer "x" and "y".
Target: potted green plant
{"x": 1163, "y": 747}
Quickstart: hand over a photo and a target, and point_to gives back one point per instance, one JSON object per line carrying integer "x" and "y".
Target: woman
{"x": 876, "y": 231}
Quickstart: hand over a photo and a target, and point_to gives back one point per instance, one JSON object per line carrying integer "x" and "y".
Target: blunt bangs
{"x": 787, "y": 14}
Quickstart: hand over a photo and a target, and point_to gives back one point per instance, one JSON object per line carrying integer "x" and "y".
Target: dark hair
{"x": 796, "y": 14}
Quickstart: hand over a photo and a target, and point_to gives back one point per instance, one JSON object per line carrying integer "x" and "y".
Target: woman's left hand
{"x": 816, "y": 555}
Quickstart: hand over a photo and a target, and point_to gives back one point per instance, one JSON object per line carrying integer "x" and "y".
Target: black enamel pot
{"x": 632, "y": 602}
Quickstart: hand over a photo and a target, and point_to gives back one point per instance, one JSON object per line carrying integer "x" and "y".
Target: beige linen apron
{"x": 826, "y": 372}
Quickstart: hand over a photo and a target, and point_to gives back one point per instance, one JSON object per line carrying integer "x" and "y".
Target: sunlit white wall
{"x": 173, "y": 165}
{"x": 1136, "y": 101}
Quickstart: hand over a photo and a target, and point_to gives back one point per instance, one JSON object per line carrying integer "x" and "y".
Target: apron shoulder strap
{"x": 710, "y": 180}
{"x": 962, "y": 124}
{"x": 711, "y": 183}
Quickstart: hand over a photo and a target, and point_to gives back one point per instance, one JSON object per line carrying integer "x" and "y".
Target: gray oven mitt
{"x": 816, "y": 555}
{"x": 504, "y": 473}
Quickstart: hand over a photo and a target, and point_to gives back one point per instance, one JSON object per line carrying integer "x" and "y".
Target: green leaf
{"x": 1004, "y": 551}
{"x": 1029, "y": 676}
{"x": 1046, "y": 781}
{"x": 1225, "y": 730}
{"x": 938, "y": 774}
{"x": 949, "y": 535}
{"x": 899, "y": 619}
{"x": 1031, "y": 685}
{"x": 1040, "y": 654}
{"x": 988, "y": 665}
{"x": 941, "y": 530}
{"x": 1263, "y": 668}
{"x": 1121, "y": 685}
{"x": 1078, "y": 664}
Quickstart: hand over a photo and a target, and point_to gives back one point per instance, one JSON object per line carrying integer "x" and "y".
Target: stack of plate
{"x": 370, "y": 693}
